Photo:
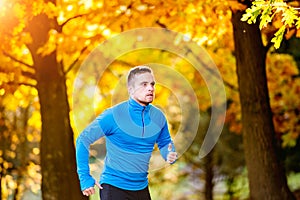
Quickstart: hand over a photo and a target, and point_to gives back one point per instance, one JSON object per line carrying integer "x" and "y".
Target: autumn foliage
{"x": 67, "y": 32}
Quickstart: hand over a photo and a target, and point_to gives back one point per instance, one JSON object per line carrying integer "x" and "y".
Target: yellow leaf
{"x": 10, "y": 102}
{"x": 289, "y": 140}
{"x": 278, "y": 37}
{"x": 35, "y": 120}
{"x": 36, "y": 151}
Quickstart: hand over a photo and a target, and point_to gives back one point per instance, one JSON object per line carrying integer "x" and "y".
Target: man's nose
{"x": 150, "y": 87}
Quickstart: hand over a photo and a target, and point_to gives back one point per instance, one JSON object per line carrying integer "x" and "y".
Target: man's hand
{"x": 91, "y": 190}
{"x": 172, "y": 156}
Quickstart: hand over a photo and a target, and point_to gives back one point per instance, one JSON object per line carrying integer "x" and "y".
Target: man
{"x": 131, "y": 129}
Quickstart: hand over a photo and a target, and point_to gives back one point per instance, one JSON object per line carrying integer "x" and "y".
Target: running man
{"x": 131, "y": 130}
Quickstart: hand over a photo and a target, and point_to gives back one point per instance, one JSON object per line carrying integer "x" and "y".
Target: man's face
{"x": 142, "y": 88}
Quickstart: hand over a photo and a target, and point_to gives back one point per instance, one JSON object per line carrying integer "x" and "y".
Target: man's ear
{"x": 130, "y": 90}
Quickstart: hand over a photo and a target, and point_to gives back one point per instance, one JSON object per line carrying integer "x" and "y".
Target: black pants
{"x": 110, "y": 192}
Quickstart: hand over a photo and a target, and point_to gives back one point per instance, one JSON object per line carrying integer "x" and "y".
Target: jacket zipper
{"x": 143, "y": 121}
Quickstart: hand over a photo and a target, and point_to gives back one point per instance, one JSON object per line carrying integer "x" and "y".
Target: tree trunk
{"x": 229, "y": 183}
{"x": 265, "y": 173}
{"x": 209, "y": 175}
{"x": 1, "y": 175}
{"x": 59, "y": 177}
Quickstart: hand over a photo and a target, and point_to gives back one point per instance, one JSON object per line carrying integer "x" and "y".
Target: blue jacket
{"x": 131, "y": 131}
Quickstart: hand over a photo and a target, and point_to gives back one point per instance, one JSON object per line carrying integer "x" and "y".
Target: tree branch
{"x": 17, "y": 60}
{"x": 75, "y": 61}
{"x": 206, "y": 67}
{"x": 20, "y": 83}
{"x": 162, "y": 25}
{"x": 29, "y": 75}
{"x": 24, "y": 73}
{"x": 212, "y": 72}
{"x": 74, "y": 17}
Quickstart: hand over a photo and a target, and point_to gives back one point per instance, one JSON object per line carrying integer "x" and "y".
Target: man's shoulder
{"x": 111, "y": 112}
{"x": 156, "y": 111}
{"x": 118, "y": 108}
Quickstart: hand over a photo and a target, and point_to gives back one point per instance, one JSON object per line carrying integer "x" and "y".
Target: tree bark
{"x": 265, "y": 173}
{"x": 209, "y": 175}
{"x": 58, "y": 165}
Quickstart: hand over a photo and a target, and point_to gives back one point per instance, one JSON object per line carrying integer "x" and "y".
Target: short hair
{"x": 137, "y": 70}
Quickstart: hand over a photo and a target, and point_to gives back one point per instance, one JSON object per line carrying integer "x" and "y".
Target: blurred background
{"x": 44, "y": 44}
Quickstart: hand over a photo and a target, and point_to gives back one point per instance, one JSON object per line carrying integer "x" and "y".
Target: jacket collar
{"x": 133, "y": 104}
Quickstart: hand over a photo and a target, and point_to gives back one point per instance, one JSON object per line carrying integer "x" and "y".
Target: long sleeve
{"x": 87, "y": 137}
{"x": 131, "y": 131}
{"x": 163, "y": 142}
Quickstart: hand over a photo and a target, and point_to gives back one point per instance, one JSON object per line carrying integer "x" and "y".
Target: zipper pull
{"x": 143, "y": 121}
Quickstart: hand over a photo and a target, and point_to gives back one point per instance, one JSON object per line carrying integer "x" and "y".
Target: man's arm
{"x": 87, "y": 137}
{"x": 166, "y": 145}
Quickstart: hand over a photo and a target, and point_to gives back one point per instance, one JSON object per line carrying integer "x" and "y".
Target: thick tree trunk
{"x": 59, "y": 177}
{"x": 266, "y": 175}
